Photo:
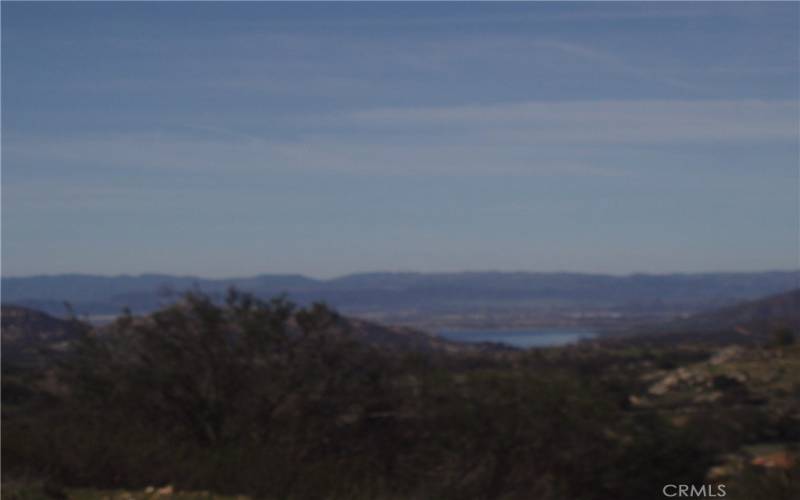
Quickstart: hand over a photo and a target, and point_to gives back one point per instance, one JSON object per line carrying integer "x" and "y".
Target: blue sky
{"x": 323, "y": 139}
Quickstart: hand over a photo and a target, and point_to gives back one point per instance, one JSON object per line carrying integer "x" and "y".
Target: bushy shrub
{"x": 266, "y": 399}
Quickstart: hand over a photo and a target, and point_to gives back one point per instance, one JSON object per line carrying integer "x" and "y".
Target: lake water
{"x": 520, "y": 338}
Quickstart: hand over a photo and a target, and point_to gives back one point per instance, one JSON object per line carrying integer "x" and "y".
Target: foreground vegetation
{"x": 265, "y": 400}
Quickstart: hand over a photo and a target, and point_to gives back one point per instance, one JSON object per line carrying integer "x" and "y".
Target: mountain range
{"x": 420, "y": 293}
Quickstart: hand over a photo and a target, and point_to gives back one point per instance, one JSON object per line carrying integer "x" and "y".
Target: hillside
{"x": 754, "y": 318}
{"x": 26, "y": 331}
{"x": 404, "y": 339}
{"x": 195, "y": 381}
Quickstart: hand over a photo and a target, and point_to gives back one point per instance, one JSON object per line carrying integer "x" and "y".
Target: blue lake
{"x": 519, "y": 338}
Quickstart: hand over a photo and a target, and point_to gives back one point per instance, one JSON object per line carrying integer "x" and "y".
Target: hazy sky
{"x": 236, "y": 139}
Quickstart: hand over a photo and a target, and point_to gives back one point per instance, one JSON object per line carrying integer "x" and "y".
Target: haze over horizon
{"x": 402, "y": 272}
{"x": 240, "y": 139}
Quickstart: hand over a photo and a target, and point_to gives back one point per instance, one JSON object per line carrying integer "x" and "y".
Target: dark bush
{"x": 265, "y": 399}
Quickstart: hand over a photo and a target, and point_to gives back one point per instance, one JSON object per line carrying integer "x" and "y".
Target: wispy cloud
{"x": 644, "y": 121}
{"x": 526, "y": 138}
{"x": 615, "y": 62}
{"x": 311, "y": 154}
{"x": 352, "y": 64}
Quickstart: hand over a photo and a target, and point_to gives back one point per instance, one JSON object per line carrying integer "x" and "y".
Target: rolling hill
{"x": 26, "y": 331}
{"x": 756, "y": 317}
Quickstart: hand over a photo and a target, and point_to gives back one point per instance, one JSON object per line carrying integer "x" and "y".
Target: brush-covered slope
{"x": 25, "y": 332}
{"x": 756, "y": 317}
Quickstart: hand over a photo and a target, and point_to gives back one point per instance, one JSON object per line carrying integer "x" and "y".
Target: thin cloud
{"x": 644, "y": 121}
{"x": 524, "y": 138}
{"x": 616, "y": 63}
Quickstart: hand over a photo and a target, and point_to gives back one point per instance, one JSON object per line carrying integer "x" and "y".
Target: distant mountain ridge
{"x": 449, "y": 292}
